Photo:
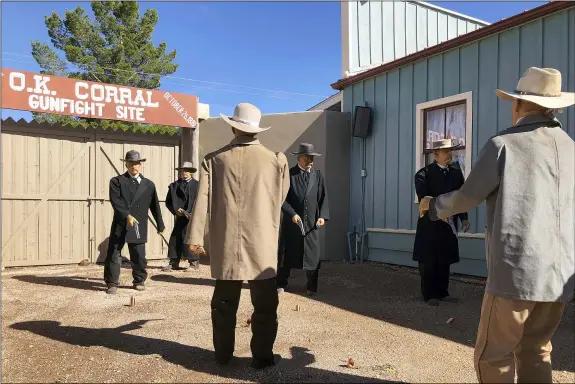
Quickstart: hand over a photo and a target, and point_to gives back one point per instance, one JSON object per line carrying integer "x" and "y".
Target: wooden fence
{"x": 55, "y": 203}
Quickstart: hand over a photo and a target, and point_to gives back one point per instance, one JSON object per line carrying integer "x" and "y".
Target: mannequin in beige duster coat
{"x": 241, "y": 191}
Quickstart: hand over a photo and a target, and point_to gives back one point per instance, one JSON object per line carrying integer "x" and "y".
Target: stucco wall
{"x": 328, "y": 131}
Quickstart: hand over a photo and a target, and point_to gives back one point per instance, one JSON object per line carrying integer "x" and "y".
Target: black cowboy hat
{"x": 306, "y": 149}
{"x": 133, "y": 156}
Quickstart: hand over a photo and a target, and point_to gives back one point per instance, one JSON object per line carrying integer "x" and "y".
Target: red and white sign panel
{"x": 35, "y": 92}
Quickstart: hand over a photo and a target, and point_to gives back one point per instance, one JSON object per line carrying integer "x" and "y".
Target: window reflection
{"x": 447, "y": 122}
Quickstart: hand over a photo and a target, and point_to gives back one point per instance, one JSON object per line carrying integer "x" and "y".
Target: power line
{"x": 178, "y": 78}
{"x": 188, "y": 86}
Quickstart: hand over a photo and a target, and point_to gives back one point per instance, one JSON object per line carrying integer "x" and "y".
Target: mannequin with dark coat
{"x": 436, "y": 244}
{"x": 306, "y": 202}
{"x": 131, "y": 196}
{"x": 180, "y": 201}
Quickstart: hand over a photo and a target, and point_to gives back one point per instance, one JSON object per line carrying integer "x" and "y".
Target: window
{"x": 447, "y": 118}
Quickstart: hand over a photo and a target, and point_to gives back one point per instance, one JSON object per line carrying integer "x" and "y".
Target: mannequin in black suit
{"x": 180, "y": 201}
{"x": 436, "y": 244}
{"x": 131, "y": 195}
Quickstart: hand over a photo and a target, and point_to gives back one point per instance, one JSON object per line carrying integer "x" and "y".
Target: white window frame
{"x": 419, "y": 118}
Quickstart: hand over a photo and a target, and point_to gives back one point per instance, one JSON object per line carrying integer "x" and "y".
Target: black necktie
{"x": 305, "y": 176}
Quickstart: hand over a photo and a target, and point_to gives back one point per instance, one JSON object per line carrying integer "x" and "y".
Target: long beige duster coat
{"x": 242, "y": 188}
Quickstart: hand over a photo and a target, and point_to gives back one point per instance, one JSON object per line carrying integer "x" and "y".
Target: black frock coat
{"x": 309, "y": 201}
{"x": 130, "y": 198}
{"x": 435, "y": 241}
{"x": 181, "y": 194}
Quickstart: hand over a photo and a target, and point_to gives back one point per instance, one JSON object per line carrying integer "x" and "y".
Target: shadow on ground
{"x": 76, "y": 282}
{"x": 392, "y": 294}
{"x": 193, "y": 358}
{"x": 187, "y": 280}
{"x": 379, "y": 291}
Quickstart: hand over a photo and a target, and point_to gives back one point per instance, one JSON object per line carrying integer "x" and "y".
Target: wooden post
{"x": 196, "y": 150}
{"x": 189, "y": 147}
{"x": 185, "y": 144}
{"x": 1, "y": 167}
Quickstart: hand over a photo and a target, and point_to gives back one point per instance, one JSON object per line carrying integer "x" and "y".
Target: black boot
{"x": 173, "y": 265}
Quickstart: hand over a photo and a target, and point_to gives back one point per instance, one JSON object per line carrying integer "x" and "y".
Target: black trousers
{"x": 311, "y": 275}
{"x": 176, "y": 246}
{"x": 434, "y": 280}
{"x": 264, "y": 321}
{"x": 113, "y": 262}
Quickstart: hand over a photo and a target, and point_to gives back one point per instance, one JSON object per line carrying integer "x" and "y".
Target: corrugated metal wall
{"x": 380, "y": 32}
{"x": 55, "y": 204}
{"x": 481, "y": 67}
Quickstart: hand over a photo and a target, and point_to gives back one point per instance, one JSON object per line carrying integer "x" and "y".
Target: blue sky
{"x": 232, "y": 52}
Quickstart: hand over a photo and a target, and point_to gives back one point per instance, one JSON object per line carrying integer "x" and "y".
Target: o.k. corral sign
{"x": 28, "y": 91}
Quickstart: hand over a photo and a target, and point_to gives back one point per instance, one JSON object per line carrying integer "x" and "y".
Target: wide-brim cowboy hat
{"x": 306, "y": 149}
{"x": 246, "y": 118}
{"x": 133, "y": 156}
{"x": 541, "y": 86}
{"x": 445, "y": 144}
{"x": 187, "y": 165}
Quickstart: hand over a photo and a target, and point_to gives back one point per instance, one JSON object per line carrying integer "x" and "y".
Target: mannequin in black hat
{"x": 180, "y": 201}
{"x": 131, "y": 195}
{"x": 306, "y": 203}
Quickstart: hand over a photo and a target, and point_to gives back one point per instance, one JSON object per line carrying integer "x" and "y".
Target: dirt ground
{"x": 58, "y": 325}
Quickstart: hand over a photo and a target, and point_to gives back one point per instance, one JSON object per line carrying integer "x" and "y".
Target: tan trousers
{"x": 515, "y": 333}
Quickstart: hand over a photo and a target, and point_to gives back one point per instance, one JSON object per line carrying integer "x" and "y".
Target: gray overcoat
{"x": 526, "y": 175}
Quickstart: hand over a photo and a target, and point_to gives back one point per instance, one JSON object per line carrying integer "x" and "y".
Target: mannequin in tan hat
{"x": 436, "y": 245}
{"x": 180, "y": 201}
{"x": 242, "y": 188}
{"x": 526, "y": 176}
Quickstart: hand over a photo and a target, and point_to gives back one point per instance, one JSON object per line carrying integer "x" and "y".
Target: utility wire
{"x": 189, "y": 86}
{"x": 176, "y": 77}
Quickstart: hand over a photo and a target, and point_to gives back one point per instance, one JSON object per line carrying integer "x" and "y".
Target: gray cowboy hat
{"x": 187, "y": 165}
{"x": 133, "y": 156}
{"x": 541, "y": 86}
{"x": 445, "y": 144}
{"x": 306, "y": 149}
{"x": 246, "y": 118}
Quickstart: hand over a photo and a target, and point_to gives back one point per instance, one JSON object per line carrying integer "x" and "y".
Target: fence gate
{"x": 55, "y": 201}
{"x": 161, "y": 159}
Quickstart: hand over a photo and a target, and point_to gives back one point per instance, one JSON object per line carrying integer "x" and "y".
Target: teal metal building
{"x": 446, "y": 90}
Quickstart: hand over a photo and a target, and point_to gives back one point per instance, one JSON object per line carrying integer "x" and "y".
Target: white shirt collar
{"x": 305, "y": 170}
{"x": 443, "y": 166}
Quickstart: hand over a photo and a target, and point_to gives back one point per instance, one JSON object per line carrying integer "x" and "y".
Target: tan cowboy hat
{"x": 246, "y": 118}
{"x": 541, "y": 86}
{"x": 187, "y": 165}
{"x": 444, "y": 144}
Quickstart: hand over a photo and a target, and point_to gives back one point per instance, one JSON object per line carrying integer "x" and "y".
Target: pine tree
{"x": 115, "y": 47}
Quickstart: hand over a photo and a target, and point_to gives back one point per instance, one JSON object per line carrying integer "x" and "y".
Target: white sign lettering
{"x": 174, "y": 103}
{"x": 37, "y": 92}
{"x": 43, "y": 99}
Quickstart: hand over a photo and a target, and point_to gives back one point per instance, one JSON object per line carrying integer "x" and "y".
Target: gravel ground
{"x": 59, "y": 326}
